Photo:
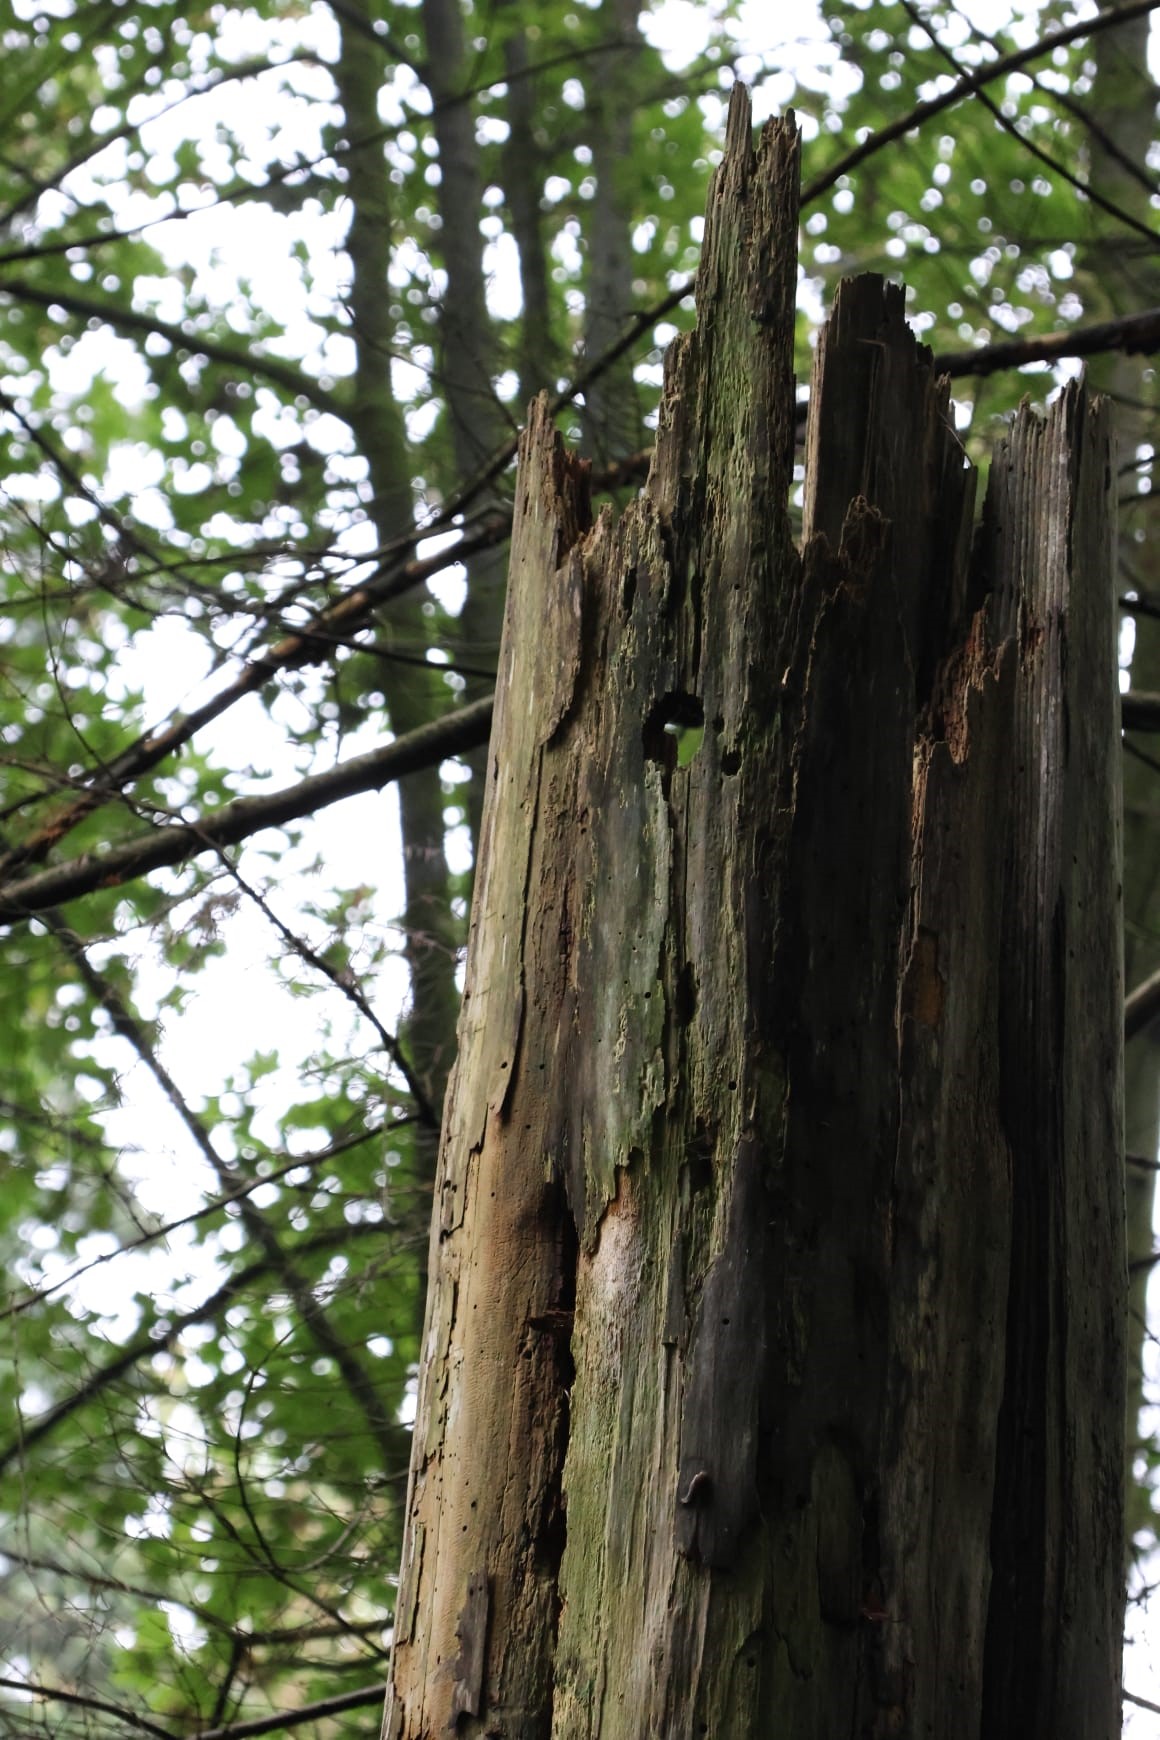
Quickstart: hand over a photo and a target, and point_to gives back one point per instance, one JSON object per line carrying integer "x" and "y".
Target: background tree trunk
{"x": 469, "y": 360}
{"x": 417, "y": 693}
{"x": 1119, "y": 270}
{"x": 612, "y": 421}
{"x": 773, "y": 1375}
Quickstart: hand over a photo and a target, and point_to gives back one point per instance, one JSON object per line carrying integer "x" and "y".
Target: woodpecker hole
{"x": 674, "y": 729}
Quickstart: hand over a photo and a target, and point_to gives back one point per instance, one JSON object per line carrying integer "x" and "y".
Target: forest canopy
{"x": 277, "y": 284}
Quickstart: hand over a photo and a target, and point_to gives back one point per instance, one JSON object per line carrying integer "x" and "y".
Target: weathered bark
{"x": 773, "y": 1368}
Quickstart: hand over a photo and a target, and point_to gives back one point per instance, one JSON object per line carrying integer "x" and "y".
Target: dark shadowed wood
{"x": 773, "y": 1376}
{"x": 1056, "y": 1613}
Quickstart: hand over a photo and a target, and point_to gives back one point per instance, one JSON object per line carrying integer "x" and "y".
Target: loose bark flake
{"x": 774, "y": 1361}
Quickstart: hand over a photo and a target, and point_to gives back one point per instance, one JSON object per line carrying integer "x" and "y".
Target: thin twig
{"x": 426, "y": 746}
{"x": 213, "y": 1206}
{"x": 362, "y": 1698}
{"x": 58, "y": 1695}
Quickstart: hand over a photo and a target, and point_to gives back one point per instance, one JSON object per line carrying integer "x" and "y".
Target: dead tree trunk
{"x": 773, "y": 1375}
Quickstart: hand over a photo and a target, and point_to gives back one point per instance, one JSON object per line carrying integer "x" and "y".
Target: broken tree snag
{"x": 773, "y": 1365}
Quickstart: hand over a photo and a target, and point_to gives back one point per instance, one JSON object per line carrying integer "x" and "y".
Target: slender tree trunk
{"x": 612, "y": 422}
{"x": 773, "y": 1368}
{"x": 416, "y": 695}
{"x": 467, "y": 349}
{"x": 1119, "y": 272}
{"x": 468, "y": 359}
{"x": 523, "y": 177}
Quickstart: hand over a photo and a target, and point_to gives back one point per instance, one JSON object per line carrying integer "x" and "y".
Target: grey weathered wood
{"x": 478, "y": 1595}
{"x": 773, "y": 1375}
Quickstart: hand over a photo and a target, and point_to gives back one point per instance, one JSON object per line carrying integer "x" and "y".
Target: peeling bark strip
{"x": 778, "y": 1241}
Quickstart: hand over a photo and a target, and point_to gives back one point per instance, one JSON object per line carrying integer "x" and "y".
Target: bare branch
{"x": 122, "y": 319}
{"x": 57, "y": 1695}
{"x": 395, "y": 575}
{"x": 214, "y": 1206}
{"x": 362, "y": 1698}
{"x": 1141, "y": 1006}
{"x": 126, "y": 1024}
{"x": 967, "y": 87}
{"x": 1071, "y": 106}
{"x": 146, "y": 1346}
{"x": 299, "y": 648}
{"x": 277, "y": 1636}
{"x": 1140, "y": 711}
{"x": 1134, "y": 334}
{"x": 1087, "y": 189}
{"x": 465, "y": 729}
{"x": 379, "y": 34}
{"x": 126, "y": 537}
{"x": 132, "y": 129}
{"x": 425, "y": 1112}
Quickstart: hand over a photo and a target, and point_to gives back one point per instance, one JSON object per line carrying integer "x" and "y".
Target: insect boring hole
{"x": 674, "y": 729}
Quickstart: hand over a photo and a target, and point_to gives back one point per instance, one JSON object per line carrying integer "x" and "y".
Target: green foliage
{"x": 217, "y": 1269}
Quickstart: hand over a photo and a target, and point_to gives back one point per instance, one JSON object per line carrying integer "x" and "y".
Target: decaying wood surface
{"x": 773, "y": 1370}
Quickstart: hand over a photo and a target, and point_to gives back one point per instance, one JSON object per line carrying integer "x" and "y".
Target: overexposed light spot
{"x": 679, "y": 29}
{"x": 501, "y": 265}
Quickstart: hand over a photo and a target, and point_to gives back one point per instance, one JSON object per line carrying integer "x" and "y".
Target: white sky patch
{"x": 450, "y": 586}
{"x": 501, "y": 265}
{"x": 94, "y": 353}
{"x": 680, "y": 29}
